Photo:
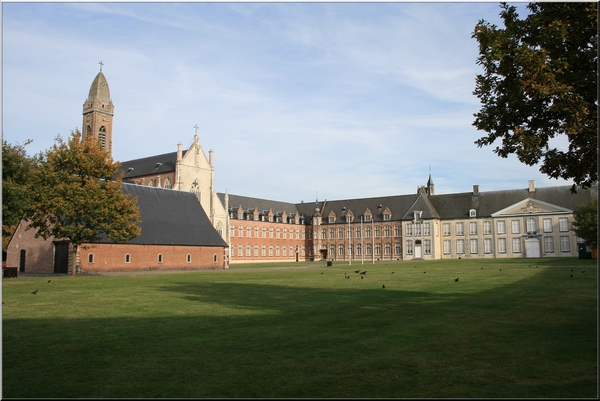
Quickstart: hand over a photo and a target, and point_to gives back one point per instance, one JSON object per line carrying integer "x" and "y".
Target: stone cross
{"x": 101, "y": 64}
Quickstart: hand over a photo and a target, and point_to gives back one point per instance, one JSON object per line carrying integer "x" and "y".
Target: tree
{"x": 16, "y": 172}
{"x": 74, "y": 196}
{"x": 539, "y": 82}
{"x": 585, "y": 222}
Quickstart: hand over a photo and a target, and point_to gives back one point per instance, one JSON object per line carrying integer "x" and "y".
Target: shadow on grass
{"x": 530, "y": 338}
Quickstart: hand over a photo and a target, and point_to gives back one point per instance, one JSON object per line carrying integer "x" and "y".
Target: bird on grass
{"x": 383, "y": 286}
{"x": 571, "y": 275}
{"x": 49, "y": 280}
{"x": 35, "y": 292}
{"x": 571, "y": 269}
{"x": 363, "y": 273}
{"x": 356, "y": 271}
{"x": 500, "y": 269}
{"x": 362, "y": 277}
{"x": 424, "y": 272}
{"x": 321, "y": 273}
{"x": 456, "y": 279}
{"x": 392, "y": 272}
{"x": 583, "y": 271}
{"x": 482, "y": 268}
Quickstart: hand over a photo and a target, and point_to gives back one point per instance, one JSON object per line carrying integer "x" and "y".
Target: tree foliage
{"x": 16, "y": 173}
{"x": 585, "y": 222}
{"x": 74, "y": 196}
{"x": 540, "y": 82}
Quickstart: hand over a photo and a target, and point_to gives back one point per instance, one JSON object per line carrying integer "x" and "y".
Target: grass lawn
{"x": 510, "y": 329}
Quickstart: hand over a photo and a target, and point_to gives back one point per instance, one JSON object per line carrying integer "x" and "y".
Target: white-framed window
{"x": 409, "y": 247}
{"x": 367, "y": 217}
{"x": 255, "y": 231}
{"x": 447, "y": 246}
{"x": 277, "y": 250}
{"x": 263, "y": 250}
{"x": 241, "y": 231}
{"x": 472, "y": 213}
{"x": 367, "y": 232}
{"x": 397, "y": 248}
{"x": 531, "y": 225}
{"x": 331, "y": 220}
{"x": 368, "y": 250}
{"x": 240, "y": 250}
{"x": 284, "y": 249}
{"x": 232, "y": 231}
{"x": 501, "y": 245}
{"x": 387, "y": 216}
{"x": 341, "y": 250}
{"x": 473, "y": 227}
{"x": 90, "y": 258}
{"x": 357, "y": 232}
{"x": 460, "y": 229}
{"x": 501, "y": 227}
{"x": 215, "y": 258}
{"x": 127, "y": 258}
{"x": 460, "y": 246}
{"x": 548, "y": 225}
{"x": 278, "y": 235}
{"x": 264, "y": 232}
{"x": 565, "y": 244}
{"x": 549, "y": 244}
{"x": 285, "y": 233}
{"x": 332, "y": 250}
{"x": 160, "y": 258}
{"x": 189, "y": 258}
{"x": 487, "y": 227}
{"x": 340, "y": 233}
{"x": 377, "y": 232}
{"x": 426, "y": 229}
{"x": 377, "y": 249}
{"x": 271, "y": 232}
{"x": 248, "y": 250}
{"x": 331, "y": 233}
{"x": 474, "y": 248}
{"x": 563, "y": 224}
{"x": 396, "y": 231}
{"x": 387, "y": 249}
{"x": 349, "y": 232}
{"x": 427, "y": 247}
{"x": 417, "y": 229}
{"x": 516, "y": 226}
{"x": 323, "y": 234}
{"x": 446, "y": 229}
{"x": 255, "y": 250}
{"x": 408, "y": 229}
{"x": 516, "y": 245}
{"x": 487, "y": 245}
{"x": 248, "y": 232}
{"x": 358, "y": 249}
{"x": 387, "y": 231}
{"x": 270, "y": 250}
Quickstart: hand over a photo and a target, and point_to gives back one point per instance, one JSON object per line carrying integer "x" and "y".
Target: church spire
{"x": 98, "y": 111}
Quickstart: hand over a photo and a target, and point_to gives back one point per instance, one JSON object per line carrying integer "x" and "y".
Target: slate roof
{"x": 246, "y": 203}
{"x": 149, "y": 165}
{"x": 457, "y": 206}
{"x": 171, "y": 217}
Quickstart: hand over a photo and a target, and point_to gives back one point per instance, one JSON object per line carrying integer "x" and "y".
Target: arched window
{"x": 102, "y": 137}
{"x": 90, "y": 258}
{"x": 168, "y": 183}
{"x": 215, "y": 258}
{"x": 160, "y": 258}
{"x": 127, "y": 258}
{"x": 189, "y": 258}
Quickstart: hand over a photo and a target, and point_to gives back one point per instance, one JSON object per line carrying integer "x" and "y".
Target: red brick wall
{"x": 39, "y": 254}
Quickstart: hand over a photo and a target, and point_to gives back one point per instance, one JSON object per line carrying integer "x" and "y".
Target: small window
{"x": 216, "y": 259}
{"x": 189, "y": 258}
{"x": 127, "y": 258}
{"x": 90, "y": 258}
{"x": 160, "y": 258}
{"x": 472, "y": 213}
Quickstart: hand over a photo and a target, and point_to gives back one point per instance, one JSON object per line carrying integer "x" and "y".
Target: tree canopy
{"x": 16, "y": 172}
{"x": 74, "y": 196}
{"x": 540, "y": 82}
{"x": 585, "y": 222}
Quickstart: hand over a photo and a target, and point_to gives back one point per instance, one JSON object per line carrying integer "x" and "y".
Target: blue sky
{"x": 351, "y": 100}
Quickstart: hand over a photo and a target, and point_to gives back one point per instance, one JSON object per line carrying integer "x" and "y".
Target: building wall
{"x": 113, "y": 257}
{"x": 39, "y": 254}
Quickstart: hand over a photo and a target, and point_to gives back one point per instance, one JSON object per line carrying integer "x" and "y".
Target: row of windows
{"x": 159, "y": 257}
{"x": 565, "y": 245}
{"x": 278, "y": 233}
{"x": 271, "y": 218}
{"x": 350, "y": 218}
{"x": 515, "y": 227}
{"x": 368, "y": 249}
{"x": 253, "y": 250}
{"x": 340, "y": 231}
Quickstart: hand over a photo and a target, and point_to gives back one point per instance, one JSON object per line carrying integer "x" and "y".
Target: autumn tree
{"x": 585, "y": 222}
{"x": 539, "y": 82}
{"x": 16, "y": 172}
{"x": 74, "y": 196}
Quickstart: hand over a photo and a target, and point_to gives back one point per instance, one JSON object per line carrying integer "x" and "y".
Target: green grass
{"x": 520, "y": 332}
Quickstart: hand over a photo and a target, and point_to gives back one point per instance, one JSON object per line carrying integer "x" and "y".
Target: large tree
{"x": 585, "y": 222}
{"x": 16, "y": 172}
{"x": 74, "y": 196}
{"x": 540, "y": 82}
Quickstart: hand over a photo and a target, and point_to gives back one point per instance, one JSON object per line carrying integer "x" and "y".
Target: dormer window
{"x": 158, "y": 165}
{"x": 367, "y": 217}
{"x": 129, "y": 170}
{"x": 472, "y": 213}
{"x": 417, "y": 216}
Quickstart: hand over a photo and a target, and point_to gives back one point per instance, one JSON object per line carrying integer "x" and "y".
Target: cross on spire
{"x": 101, "y": 64}
{"x": 196, "y": 126}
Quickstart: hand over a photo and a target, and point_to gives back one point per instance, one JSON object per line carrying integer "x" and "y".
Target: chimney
{"x": 531, "y": 186}
{"x": 475, "y": 190}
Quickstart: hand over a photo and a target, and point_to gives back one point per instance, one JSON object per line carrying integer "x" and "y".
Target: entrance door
{"x": 22, "y": 261}
{"x": 61, "y": 257}
{"x": 418, "y": 252}
{"x": 532, "y": 248}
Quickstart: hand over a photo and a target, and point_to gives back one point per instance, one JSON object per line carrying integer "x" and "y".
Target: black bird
{"x": 49, "y": 280}
{"x": 482, "y": 268}
{"x": 583, "y": 271}
{"x": 529, "y": 265}
{"x": 456, "y": 279}
{"x": 500, "y": 269}
{"x": 321, "y": 273}
{"x": 363, "y": 273}
{"x": 383, "y": 286}
{"x": 356, "y": 271}
{"x": 392, "y": 272}
{"x": 362, "y": 277}
{"x": 424, "y": 272}
{"x": 35, "y": 292}
{"x": 571, "y": 275}
{"x": 571, "y": 269}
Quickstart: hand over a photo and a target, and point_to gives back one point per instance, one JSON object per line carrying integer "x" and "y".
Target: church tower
{"x": 98, "y": 111}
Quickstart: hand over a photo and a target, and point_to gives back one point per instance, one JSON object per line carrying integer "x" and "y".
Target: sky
{"x": 298, "y": 101}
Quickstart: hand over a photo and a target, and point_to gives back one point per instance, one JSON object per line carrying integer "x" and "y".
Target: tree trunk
{"x": 74, "y": 261}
